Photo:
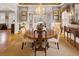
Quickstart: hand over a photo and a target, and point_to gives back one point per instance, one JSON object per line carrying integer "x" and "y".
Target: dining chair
{"x": 25, "y": 39}
{"x": 40, "y": 41}
{"x": 54, "y": 40}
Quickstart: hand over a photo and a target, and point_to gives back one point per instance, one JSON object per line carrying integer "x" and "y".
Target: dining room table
{"x": 39, "y": 40}
{"x": 31, "y": 37}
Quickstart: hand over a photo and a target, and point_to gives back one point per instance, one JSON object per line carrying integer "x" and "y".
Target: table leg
{"x": 22, "y": 45}
{"x": 64, "y": 34}
{"x": 75, "y": 41}
{"x": 67, "y": 36}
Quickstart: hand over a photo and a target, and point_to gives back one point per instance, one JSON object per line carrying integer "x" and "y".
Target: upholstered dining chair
{"x": 25, "y": 39}
{"x": 54, "y": 40}
{"x": 56, "y": 37}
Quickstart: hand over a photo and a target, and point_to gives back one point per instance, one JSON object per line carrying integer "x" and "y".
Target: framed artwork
{"x": 56, "y": 12}
{"x": 23, "y": 13}
{"x": 56, "y": 15}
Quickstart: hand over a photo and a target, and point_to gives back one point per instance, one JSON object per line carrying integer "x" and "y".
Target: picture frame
{"x": 56, "y": 12}
{"x": 23, "y": 15}
{"x": 56, "y": 15}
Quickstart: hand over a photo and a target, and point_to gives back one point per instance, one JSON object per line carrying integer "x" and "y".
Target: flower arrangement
{"x": 40, "y": 26}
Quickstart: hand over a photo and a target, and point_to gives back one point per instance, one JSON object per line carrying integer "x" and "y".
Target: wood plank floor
{"x": 14, "y": 49}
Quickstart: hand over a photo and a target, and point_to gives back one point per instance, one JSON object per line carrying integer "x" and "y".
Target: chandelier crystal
{"x": 40, "y": 9}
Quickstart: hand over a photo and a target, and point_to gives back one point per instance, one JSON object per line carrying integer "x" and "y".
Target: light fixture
{"x": 40, "y": 9}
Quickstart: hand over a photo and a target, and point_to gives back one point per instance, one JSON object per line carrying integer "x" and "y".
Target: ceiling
{"x": 39, "y": 3}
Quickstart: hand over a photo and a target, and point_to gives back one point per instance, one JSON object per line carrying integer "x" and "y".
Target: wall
{"x": 67, "y": 17}
{"x": 2, "y": 18}
{"x": 77, "y": 13}
{"x": 48, "y": 18}
{"x": 11, "y": 6}
{"x": 31, "y": 9}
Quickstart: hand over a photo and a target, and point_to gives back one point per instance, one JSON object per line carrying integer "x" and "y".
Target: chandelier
{"x": 40, "y": 9}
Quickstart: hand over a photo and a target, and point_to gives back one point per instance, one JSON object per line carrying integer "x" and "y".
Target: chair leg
{"x": 58, "y": 46}
{"x": 45, "y": 52}
{"x": 32, "y": 46}
{"x": 25, "y": 43}
{"x": 22, "y": 45}
{"x": 64, "y": 34}
{"x": 67, "y": 36}
{"x": 70, "y": 37}
{"x": 55, "y": 43}
{"x": 47, "y": 45}
{"x": 35, "y": 52}
{"x": 75, "y": 41}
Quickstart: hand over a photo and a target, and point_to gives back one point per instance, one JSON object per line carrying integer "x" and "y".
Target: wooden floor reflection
{"x": 14, "y": 49}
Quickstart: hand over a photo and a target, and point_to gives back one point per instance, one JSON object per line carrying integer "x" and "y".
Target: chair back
{"x": 40, "y": 34}
{"x": 58, "y": 37}
{"x": 23, "y": 30}
{"x": 57, "y": 32}
{"x": 39, "y": 43}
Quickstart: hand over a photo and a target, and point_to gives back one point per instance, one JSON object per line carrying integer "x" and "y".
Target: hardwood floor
{"x": 14, "y": 49}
